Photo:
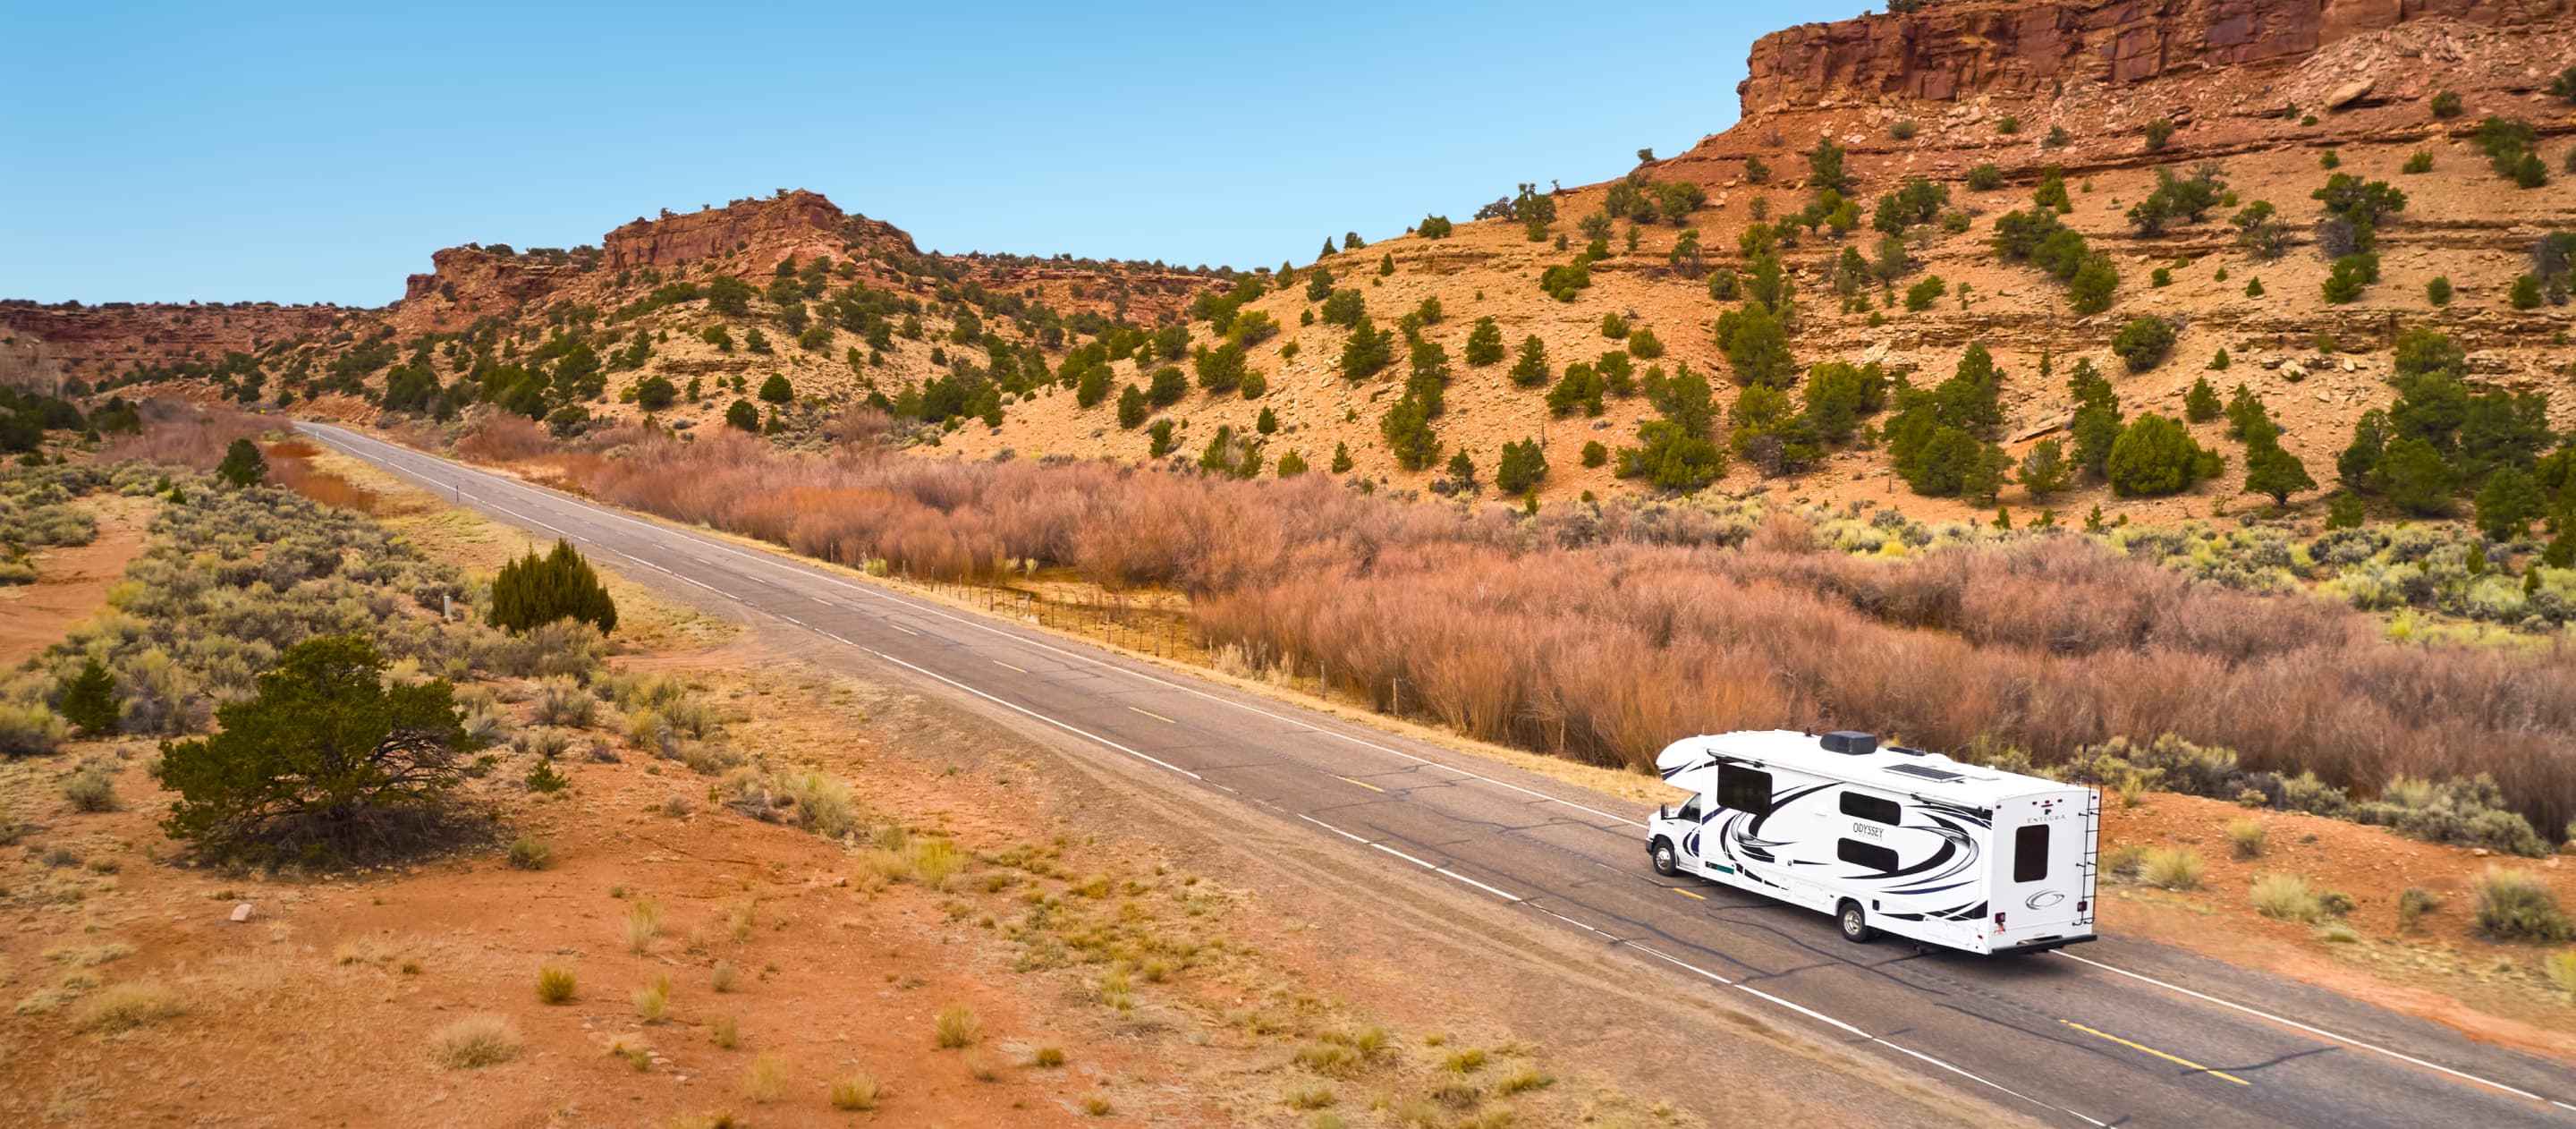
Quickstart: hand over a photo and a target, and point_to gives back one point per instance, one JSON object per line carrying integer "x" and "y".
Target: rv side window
{"x": 1744, "y": 789}
{"x": 1872, "y": 808}
{"x": 2030, "y": 853}
{"x": 1871, "y": 855}
{"x": 1690, "y": 811}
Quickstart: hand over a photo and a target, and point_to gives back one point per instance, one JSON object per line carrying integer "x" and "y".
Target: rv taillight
{"x": 1999, "y": 922}
{"x": 2080, "y": 906}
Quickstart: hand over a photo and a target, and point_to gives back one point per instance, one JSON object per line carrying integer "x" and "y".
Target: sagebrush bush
{"x": 556, "y": 984}
{"x": 2173, "y": 868}
{"x": 863, "y": 1091}
{"x": 124, "y": 1007}
{"x": 2517, "y": 905}
{"x": 2287, "y": 897}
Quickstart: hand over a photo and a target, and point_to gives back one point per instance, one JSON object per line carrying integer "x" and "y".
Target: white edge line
{"x": 2318, "y": 1031}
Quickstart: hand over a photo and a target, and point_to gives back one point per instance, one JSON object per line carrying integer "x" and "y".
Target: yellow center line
{"x": 1155, "y": 716}
{"x": 2155, "y": 1052}
{"x": 902, "y": 628}
{"x": 1686, "y": 893}
{"x": 1361, "y": 783}
{"x": 1007, "y": 666}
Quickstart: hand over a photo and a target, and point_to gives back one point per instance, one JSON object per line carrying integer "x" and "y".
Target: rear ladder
{"x": 2092, "y": 861}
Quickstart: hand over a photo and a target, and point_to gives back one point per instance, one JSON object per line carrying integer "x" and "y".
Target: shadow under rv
{"x": 1885, "y": 839}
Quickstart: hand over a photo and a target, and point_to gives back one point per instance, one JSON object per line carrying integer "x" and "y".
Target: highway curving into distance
{"x": 2109, "y": 1033}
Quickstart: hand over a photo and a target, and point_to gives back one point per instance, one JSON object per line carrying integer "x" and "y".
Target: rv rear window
{"x": 1871, "y": 855}
{"x": 1872, "y": 808}
{"x": 1744, "y": 789}
{"x": 2030, "y": 853}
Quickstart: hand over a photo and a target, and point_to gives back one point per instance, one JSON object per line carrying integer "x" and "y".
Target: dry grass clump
{"x": 653, "y": 1001}
{"x": 2245, "y": 837}
{"x": 632, "y": 1049}
{"x": 556, "y": 984}
{"x": 2287, "y": 897}
{"x": 530, "y": 853}
{"x": 474, "y": 1041}
{"x": 765, "y": 1080}
{"x": 643, "y": 923}
{"x": 722, "y": 978}
{"x": 2561, "y": 969}
{"x": 957, "y": 1027}
{"x": 725, "y": 1032}
{"x": 1047, "y": 1058}
{"x": 2172, "y": 868}
{"x": 1308, "y": 1097}
{"x": 124, "y": 1007}
{"x": 857, "y": 1092}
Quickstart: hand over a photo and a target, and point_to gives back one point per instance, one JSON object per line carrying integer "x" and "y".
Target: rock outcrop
{"x": 787, "y": 220}
{"x": 1951, "y": 50}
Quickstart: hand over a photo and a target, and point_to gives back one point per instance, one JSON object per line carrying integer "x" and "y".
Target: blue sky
{"x": 158, "y": 153}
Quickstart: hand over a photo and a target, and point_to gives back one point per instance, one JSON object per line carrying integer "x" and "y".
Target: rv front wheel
{"x": 1665, "y": 863}
{"x": 1855, "y": 924}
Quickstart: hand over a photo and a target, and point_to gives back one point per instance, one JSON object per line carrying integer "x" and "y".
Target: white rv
{"x": 1890, "y": 840}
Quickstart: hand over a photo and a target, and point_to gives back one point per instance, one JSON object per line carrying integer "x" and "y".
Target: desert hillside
{"x": 2330, "y": 181}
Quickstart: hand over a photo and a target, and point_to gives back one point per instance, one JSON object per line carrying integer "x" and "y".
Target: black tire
{"x": 1854, "y": 923}
{"x": 1667, "y": 863}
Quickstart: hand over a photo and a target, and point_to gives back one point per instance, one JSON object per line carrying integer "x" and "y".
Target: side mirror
{"x": 1663, "y": 811}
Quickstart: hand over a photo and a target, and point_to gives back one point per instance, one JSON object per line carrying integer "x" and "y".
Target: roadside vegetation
{"x": 1600, "y": 631}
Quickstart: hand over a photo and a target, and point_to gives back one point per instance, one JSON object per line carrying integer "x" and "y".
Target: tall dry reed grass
{"x": 1602, "y": 635}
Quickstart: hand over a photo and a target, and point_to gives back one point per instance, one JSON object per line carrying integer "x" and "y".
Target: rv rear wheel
{"x": 1665, "y": 863}
{"x": 1855, "y": 924}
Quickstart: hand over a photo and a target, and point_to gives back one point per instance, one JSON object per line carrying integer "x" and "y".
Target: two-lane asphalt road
{"x": 2112, "y": 1033}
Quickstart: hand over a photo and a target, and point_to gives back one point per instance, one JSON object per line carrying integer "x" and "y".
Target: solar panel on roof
{"x": 1926, "y": 773}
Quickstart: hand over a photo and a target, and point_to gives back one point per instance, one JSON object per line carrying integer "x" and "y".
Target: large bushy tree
{"x": 327, "y": 761}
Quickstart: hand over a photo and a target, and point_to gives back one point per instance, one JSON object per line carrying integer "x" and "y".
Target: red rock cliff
{"x": 1966, "y": 47}
{"x": 785, "y": 221}
{"x": 102, "y": 340}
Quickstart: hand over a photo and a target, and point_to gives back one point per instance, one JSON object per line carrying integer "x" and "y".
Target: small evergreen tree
{"x": 89, "y": 700}
{"x": 2505, "y": 506}
{"x": 1132, "y": 407}
{"x": 2200, "y": 405}
{"x": 1530, "y": 370}
{"x": 742, "y": 416}
{"x": 776, "y": 390}
{"x": 1484, "y": 343}
{"x": 2155, "y": 456}
{"x": 533, "y": 591}
{"x": 243, "y": 465}
{"x": 2273, "y": 471}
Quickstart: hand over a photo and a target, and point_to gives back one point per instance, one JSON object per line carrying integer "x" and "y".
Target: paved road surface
{"x": 2111, "y": 1033}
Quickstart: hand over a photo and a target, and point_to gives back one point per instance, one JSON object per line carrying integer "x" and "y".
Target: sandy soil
{"x": 71, "y": 582}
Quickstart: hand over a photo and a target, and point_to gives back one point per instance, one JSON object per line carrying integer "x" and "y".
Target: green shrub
{"x": 1985, "y": 178}
{"x": 2446, "y": 104}
{"x": 2438, "y": 291}
{"x": 776, "y": 390}
{"x": 2158, "y": 132}
{"x": 2154, "y": 456}
{"x": 529, "y": 853}
{"x": 1433, "y": 227}
{"x": 2517, "y": 905}
{"x": 534, "y": 590}
{"x": 2143, "y": 342}
{"x": 2413, "y": 905}
{"x": 1921, "y": 295}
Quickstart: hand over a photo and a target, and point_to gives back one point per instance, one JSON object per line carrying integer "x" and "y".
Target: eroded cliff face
{"x": 1948, "y": 51}
{"x": 100, "y": 340}
{"x": 784, "y": 221}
